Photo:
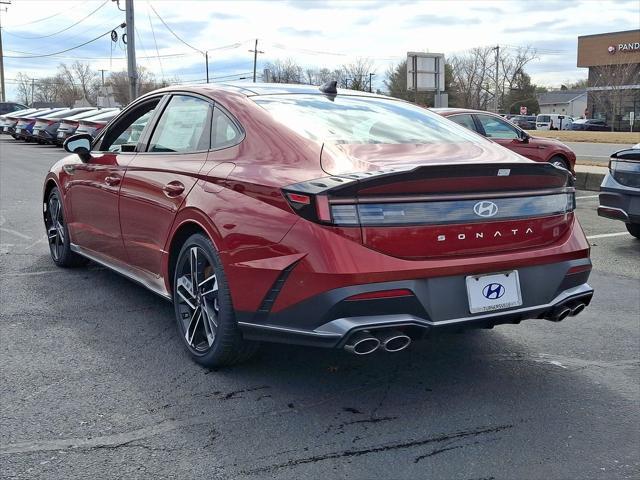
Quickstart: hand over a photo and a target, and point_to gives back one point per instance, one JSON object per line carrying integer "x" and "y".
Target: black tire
{"x": 58, "y": 234}
{"x": 207, "y": 316}
{"x": 634, "y": 229}
{"x": 559, "y": 162}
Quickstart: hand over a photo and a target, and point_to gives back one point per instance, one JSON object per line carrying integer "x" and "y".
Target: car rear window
{"x": 347, "y": 119}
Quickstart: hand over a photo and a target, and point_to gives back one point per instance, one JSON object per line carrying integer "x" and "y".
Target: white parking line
{"x": 587, "y": 196}
{"x": 606, "y": 235}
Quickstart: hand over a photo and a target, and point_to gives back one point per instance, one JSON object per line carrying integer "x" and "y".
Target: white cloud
{"x": 325, "y": 33}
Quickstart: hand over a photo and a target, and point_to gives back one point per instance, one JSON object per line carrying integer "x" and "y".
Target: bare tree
{"x": 610, "y": 87}
{"x": 24, "y": 88}
{"x": 356, "y": 74}
{"x": 285, "y": 71}
{"x": 119, "y": 82}
{"x": 474, "y": 74}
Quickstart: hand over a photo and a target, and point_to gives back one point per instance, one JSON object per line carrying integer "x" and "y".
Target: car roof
{"x": 102, "y": 115}
{"x": 88, "y": 113}
{"x": 255, "y": 89}
{"x": 451, "y": 111}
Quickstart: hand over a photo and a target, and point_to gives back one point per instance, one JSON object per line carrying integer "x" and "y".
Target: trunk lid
{"x": 461, "y": 199}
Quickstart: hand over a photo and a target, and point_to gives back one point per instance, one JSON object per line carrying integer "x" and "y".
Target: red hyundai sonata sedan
{"x": 316, "y": 216}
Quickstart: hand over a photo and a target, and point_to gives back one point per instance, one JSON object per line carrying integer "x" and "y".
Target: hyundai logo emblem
{"x": 485, "y": 209}
{"x": 493, "y": 291}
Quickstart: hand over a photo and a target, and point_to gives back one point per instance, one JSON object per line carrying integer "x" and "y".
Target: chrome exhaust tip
{"x": 578, "y": 308}
{"x": 393, "y": 341}
{"x": 362, "y": 343}
{"x": 560, "y": 314}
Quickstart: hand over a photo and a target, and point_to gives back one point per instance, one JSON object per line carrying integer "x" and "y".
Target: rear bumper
{"x": 619, "y": 202}
{"x": 328, "y": 320}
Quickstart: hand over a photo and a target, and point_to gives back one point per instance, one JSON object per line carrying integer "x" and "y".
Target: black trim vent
{"x": 270, "y": 298}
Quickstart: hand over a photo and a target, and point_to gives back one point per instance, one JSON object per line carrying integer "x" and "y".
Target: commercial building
{"x": 564, "y": 102}
{"x": 613, "y": 60}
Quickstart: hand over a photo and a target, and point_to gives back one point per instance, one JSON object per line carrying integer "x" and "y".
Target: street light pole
{"x": 370, "y": 75}
{"x": 3, "y": 96}
{"x": 255, "y": 59}
{"x": 131, "y": 52}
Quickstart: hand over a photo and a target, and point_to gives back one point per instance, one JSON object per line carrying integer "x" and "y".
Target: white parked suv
{"x": 553, "y": 121}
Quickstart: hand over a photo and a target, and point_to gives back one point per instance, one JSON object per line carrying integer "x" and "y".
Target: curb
{"x": 589, "y": 181}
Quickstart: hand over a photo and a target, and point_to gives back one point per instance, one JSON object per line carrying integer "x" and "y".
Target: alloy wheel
{"x": 197, "y": 299}
{"x": 55, "y": 227}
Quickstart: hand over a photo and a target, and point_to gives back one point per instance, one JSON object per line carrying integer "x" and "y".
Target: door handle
{"x": 112, "y": 180}
{"x": 173, "y": 189}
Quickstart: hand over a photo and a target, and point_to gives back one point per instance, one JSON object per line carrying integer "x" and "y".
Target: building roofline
{"x": 608, "y": 33}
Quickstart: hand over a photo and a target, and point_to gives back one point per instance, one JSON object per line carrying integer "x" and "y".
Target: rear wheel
{"x": 58, "y": 234}
{"x": 559, "y": 162}
{"x": 203, "y": 308}
{"x": 634, "y": 229}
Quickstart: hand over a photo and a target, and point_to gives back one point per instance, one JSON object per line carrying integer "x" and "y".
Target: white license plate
{"x": 36, "y": 131}
{"x": 497, "y": 291}
{"x": 18, "y": 129}
{"x": 6, "y": 129}
{"x": 60, "y": 134}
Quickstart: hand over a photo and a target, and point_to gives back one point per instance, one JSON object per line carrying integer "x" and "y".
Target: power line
{"x": 172, "y": 32}
{"x": 66, "y": 50}
{"x": 156, "y": 43}
{"x": 59, "y": 31}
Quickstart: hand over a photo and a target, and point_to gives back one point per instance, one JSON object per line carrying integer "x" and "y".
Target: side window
{"x": 224, "y": 133}
{"x": 465, "y": 121}
{"x": 183, "y": 126}
{"x": 497, "y": 128}
{"x": 123, "y": 135}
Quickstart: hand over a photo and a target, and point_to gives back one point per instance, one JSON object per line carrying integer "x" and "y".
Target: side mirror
{"x": 524, "y": 136}
{"x": 79, "y": 144}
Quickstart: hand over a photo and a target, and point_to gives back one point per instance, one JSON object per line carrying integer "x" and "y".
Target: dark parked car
{"x": 68, "y": 125}
{"x": 45, "y": 128}
{"x": 9, "y": 107}
{"x": 514, "y": 138}
{"x": 620, "y": 189}
{"x": 590, "y": 124}
{"x": 316, "y": 216}
{"x": 11, "y": 120}
{"x": 526, "y": 122}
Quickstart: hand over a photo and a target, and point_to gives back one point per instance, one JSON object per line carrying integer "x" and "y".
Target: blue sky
{"x": 314, "y": 33}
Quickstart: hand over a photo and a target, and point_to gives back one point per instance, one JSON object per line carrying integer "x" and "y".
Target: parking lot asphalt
{"x": 596, "y": 153}
{"x": 94, "y": 381}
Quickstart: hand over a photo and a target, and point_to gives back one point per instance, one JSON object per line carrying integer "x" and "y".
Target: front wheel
{"x": 203, "y": 307}
{"x": 634, "y": 229}
{"x": 559, "y": 162}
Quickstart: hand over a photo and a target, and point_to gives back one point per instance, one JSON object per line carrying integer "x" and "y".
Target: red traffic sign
{"x": 523, "y": 110}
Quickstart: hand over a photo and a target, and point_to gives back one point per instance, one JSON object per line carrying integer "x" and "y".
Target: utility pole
{"x": 206, "y": 60}
{"x": 255, "y": 59}
{"x": 3, "y": 96}
{"x": 370, "y": 75}
{"x": 33, "y": 83}
{"x": 102, "y": 75}
{"x": 497, "y": 49}
{"x": 131, "y": 52}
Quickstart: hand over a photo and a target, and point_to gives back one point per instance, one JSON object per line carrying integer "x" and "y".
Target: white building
{"x": 567, "y": 102}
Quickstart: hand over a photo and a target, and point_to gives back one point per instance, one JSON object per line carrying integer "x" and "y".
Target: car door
{"x": 507, "y": 135}
{"x": 158, "y": 180}
{"x": 93, "y": 187}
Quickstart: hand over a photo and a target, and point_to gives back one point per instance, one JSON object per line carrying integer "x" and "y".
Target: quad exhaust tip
{"x": 393, "y": 340}
{"x": 578, "y": 308}
{"x": 364, "y": 343}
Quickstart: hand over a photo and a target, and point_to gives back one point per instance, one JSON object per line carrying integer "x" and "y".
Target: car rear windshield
{"x": 362, "y": 120}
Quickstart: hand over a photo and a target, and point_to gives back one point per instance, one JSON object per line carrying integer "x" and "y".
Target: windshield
{"x": 364, "y": 120}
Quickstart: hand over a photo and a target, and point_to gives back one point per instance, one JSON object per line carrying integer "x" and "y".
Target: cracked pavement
{"x": 94, "y": 381}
